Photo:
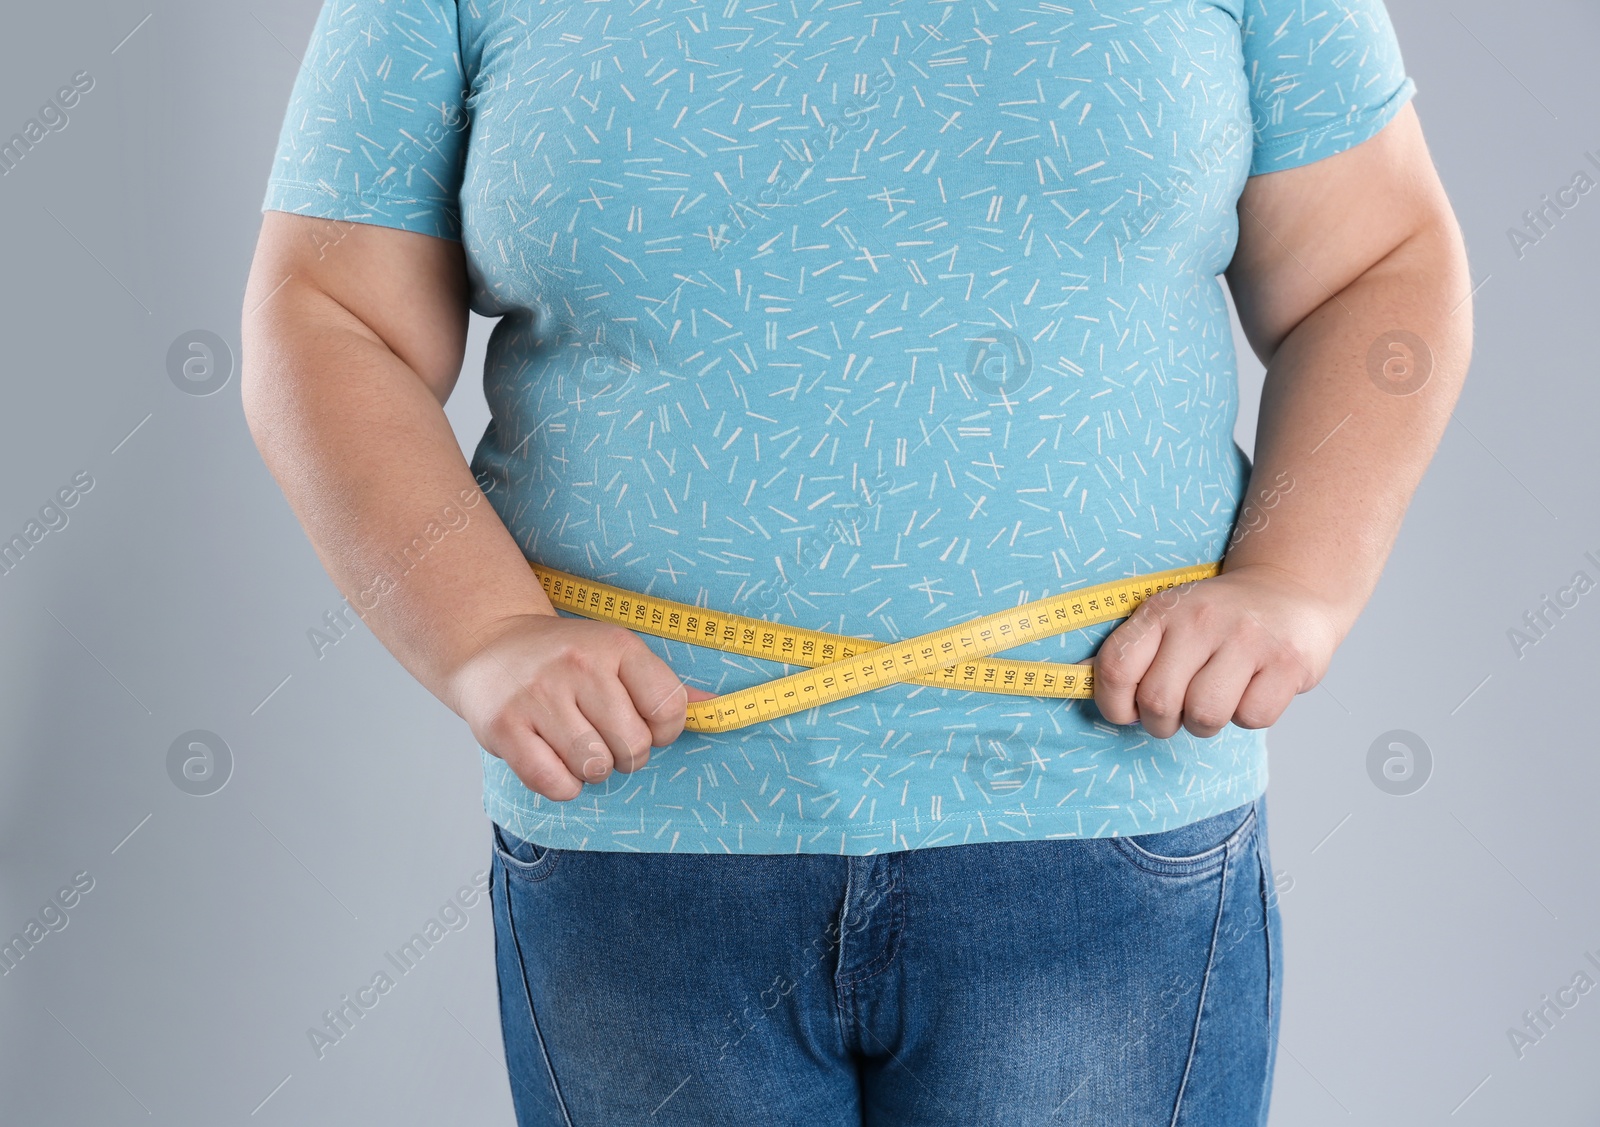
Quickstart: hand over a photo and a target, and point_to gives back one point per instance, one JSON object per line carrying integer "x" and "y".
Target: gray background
{"x": 1418, "y": 928}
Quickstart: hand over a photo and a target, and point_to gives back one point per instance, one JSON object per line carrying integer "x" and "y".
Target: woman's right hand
{"x": 354, "y": 335}
{"x": 564, "y": 701}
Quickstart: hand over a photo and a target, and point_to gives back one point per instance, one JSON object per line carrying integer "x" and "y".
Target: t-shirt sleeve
{"x": 377, "y": 124}
{"x": 1324, "y": 76}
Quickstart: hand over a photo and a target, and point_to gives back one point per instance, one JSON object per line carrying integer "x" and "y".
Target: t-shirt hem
{"x": 1300, "y": 149}
{"x": 400, "y": 211}
{"x": 1008, "y": 822}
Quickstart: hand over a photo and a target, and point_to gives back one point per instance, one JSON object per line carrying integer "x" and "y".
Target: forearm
{"x": 367, "y": 459}
{"x": 1338, "y": 457}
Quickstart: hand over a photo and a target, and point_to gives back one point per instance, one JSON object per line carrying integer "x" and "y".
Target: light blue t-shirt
{"x": 867, "y": 318}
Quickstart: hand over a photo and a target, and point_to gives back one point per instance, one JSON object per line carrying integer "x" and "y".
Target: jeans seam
{"x": 527, "y": 993}
{"x": 1205, "y": 982}
{"x": 842, "y": 998}
{"x": 891, "y": 947}
{"x": 842, "y": 991}
{"x": 1266, "y": 927}
{"x": 1264, "y": 869}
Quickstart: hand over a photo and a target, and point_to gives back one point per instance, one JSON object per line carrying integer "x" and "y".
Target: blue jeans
{"x": 1113, "y": 982}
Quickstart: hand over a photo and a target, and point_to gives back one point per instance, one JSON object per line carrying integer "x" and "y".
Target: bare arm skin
{"x": 353, "y": 339}
{"x": 1331, "y": 257}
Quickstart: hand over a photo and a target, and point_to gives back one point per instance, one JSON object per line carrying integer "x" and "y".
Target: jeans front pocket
{"x": 524, "y": 860}
{"x": 1189, "y": 850}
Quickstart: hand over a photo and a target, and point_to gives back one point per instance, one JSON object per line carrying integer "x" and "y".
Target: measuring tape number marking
{"x": 838, "y": 667}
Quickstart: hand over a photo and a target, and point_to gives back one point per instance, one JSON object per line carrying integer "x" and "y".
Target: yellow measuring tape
{"x": 840, "y": 667}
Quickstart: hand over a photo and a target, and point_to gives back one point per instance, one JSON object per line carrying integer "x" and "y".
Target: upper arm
{"x": 403, "y": 289}
{"x": 1306, "y": 233}
{"x": 1339, "y": 175}
{"x": 362, "y": 219}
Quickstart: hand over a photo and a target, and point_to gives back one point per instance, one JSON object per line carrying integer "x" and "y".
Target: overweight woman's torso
{"x": 862, "y": 319}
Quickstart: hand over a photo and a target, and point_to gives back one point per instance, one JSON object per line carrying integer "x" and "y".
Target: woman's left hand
{"x": 1236, "y": 647}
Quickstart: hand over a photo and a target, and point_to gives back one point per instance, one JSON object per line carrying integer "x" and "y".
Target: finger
{"x": 1215, "y": 690}
{"x": 1165, "y": 684}
{"x": 1267, "y": 695}
{"x": 659, "y": 698}
{"x": 610, "y": 710}
{"x": 541, "y": 770}
{"x": 1121, "y": 661}
{"x": 580, "y": 747}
